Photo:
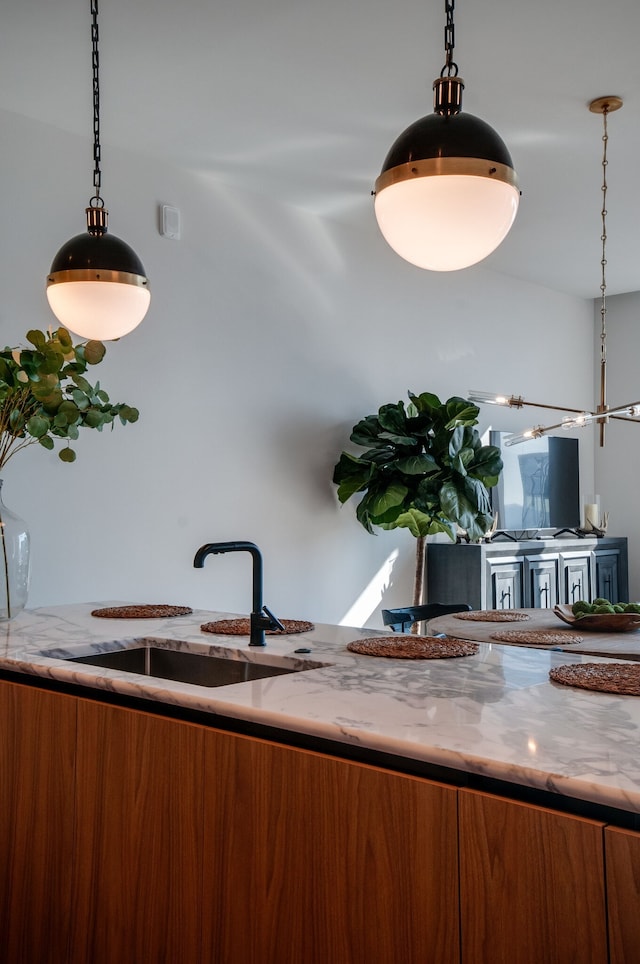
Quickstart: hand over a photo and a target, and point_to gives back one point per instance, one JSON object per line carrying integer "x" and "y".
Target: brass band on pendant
{"x": 97, "y": 274}
{"x": 432, "y": 166}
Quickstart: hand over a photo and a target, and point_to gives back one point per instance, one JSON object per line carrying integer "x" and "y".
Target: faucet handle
{"x": 274, "y": 622}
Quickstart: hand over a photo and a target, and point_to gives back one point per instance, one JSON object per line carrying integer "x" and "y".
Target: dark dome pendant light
{"x": 447, "y": 194}
{"x": 97, "y": 287}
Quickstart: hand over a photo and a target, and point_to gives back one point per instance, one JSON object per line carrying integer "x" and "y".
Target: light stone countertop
{"x": 495, "y": 713}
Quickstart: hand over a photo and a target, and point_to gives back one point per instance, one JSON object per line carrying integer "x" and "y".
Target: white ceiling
{"x": 302, "y": 100}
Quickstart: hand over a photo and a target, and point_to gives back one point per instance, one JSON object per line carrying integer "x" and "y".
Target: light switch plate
{"x": 170, "y": 222}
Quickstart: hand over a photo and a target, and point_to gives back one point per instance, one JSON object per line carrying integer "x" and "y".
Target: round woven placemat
{"x": 494, "y": 616}
{"x": 620, "y": 678}
{"x": 412, "y": 647}
{"x": 242, "y": 627}
{"x": 542, "y": 637}
{"x": 142, "y": 612}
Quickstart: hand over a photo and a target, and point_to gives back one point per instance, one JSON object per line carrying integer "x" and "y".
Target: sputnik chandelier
{"x": 629, "y": 412}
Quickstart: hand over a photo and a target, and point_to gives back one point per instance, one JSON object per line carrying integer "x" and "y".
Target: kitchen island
{"x": 368, "y": 810}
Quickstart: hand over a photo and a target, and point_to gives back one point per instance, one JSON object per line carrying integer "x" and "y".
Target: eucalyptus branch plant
{"x": 424, "y": 469}
{"x": 44, "y": 394}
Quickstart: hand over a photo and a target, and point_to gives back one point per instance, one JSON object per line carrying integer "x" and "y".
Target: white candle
{"x": 591, "y": 515}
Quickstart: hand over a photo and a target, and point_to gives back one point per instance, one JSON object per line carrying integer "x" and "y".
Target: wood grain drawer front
{"x": 531, "y": 884}
{"x": 36, "y": 824}
{"x": 139, "y": 838}
{"x": 314, "y": 860}
{"x": 622, "y": 848}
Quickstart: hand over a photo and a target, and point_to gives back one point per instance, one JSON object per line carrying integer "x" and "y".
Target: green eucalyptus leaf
{"x": 64, "y": 338}
{"x": 37, "y": 426}
{"x": 81, "y": 382}
{"x": 37, "y": 338}
{"x": 80, "y": 399}
{"x": 94, "y": 352}
{"x": 93, "y": 419}
{"x": 128, "y": 414}
{"x": 43, "y": 393}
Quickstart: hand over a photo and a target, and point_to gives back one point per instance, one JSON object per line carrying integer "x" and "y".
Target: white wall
{"x": 270, "y": 334}
{"x": 618, "y": 463}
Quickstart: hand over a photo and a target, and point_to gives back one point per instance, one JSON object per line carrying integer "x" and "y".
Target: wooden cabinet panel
{"x": 531, "y": 884}
{"x": 313, "y": 859}
{"x": 36, "y": 824}
{"x": 622, "y": 848}
{"x": 139, "y": 838}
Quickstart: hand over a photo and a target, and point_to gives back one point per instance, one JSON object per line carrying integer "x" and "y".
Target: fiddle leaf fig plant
{"x": 44, "y": 394}
{"x": 424, "y": 469}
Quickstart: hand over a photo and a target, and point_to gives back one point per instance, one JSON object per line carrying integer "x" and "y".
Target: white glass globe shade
{"x": 446, "y": 222}
{"x": 99, "y": 309}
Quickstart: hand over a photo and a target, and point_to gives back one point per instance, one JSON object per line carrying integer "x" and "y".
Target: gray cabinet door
{"x": 607, "y": 576}
{"x": 541, "y": 582}
{"x": 578, "y": 577}
{"x": 506, "y": 585}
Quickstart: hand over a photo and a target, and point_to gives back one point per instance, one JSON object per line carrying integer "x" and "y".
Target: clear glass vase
{"x": 14, "y": 562}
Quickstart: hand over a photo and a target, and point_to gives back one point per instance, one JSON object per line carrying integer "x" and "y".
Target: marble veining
{"x": 495, "y": 713}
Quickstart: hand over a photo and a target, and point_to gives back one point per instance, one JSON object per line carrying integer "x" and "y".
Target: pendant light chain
{"x": 450, "y": 67}
{"x": 603, "y": 238}
{"x": 96, "y": 200}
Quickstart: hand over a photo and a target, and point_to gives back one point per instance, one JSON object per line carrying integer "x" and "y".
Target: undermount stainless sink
{"x": 187, "y": 667}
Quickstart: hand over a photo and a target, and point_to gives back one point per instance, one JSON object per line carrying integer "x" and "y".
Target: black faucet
{"x": 261, "y": 618}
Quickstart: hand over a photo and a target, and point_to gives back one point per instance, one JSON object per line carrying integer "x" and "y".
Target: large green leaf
{"x": 456, "y": 505}
{"x": 426, "y": 403}
{"x": 487, "y": 465}
{"x": 461, "y": 411}
{"x": 366, "y": 432}
{"x": 418, "y": 523}
{"x": 424, "y": 469}
{"x": 416, "y": 465}
{"x": 398, "y": 439}
{"x": 392, "y": 496}
{"x": 351, "y": 475}
{"x": 392, "y": 419}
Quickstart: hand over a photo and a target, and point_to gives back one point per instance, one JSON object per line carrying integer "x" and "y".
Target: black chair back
{"x": 399, "y": 619}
